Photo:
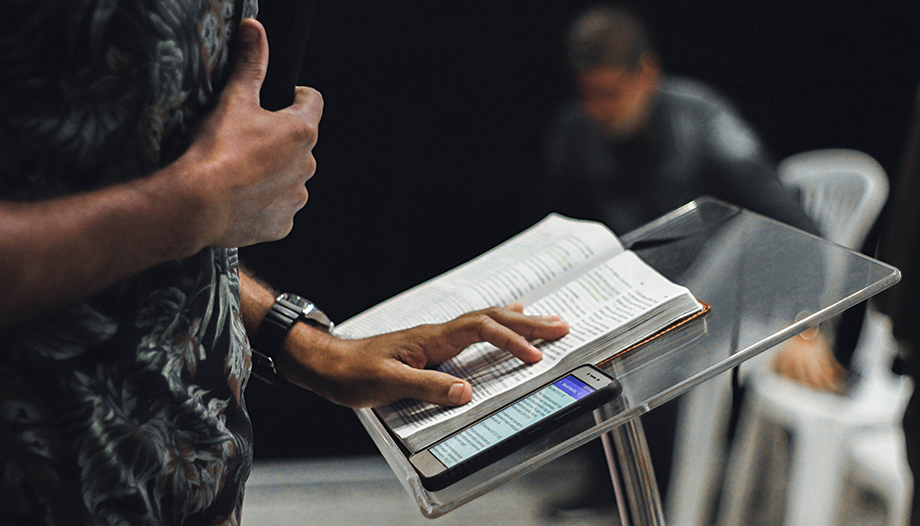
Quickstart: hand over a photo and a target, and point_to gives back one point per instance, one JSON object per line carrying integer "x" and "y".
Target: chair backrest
{"x": 843, "y": 191}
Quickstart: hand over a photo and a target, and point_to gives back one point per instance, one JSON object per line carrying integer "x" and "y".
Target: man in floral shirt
{"x": 134, "y": 157}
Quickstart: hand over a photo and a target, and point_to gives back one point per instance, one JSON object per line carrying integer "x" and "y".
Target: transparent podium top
{"x": 765, "y": 282}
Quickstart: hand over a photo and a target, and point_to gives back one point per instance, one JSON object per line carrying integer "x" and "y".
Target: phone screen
{"x": 527, "y": 411}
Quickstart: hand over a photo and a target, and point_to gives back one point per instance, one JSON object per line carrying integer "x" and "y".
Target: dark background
{"x": 434, "y": 118}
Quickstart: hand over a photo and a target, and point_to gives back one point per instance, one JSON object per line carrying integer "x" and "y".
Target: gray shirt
{"x": 696, "y": 144}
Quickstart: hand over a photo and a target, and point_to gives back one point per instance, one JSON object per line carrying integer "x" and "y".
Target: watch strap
{"x": 287, "y": 310}
{"x": 263, "y": 368}
{"x": 278, "y": 322}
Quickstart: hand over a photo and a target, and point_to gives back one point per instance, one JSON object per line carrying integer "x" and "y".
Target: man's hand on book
{"x": 375, "y": 371}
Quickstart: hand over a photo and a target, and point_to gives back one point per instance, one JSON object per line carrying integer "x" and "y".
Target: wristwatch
{"x": 287, "y": 310}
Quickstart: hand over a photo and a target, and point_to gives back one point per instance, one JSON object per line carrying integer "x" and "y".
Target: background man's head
{"x": 616, "y": 69}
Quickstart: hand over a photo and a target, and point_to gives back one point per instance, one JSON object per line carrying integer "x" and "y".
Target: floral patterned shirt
{"x": 125, "y": 408}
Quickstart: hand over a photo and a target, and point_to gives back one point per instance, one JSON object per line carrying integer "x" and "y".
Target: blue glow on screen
{"x": 574, "y": 387}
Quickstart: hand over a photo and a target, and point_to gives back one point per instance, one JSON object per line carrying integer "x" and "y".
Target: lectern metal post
{"x": 634, "y": 484}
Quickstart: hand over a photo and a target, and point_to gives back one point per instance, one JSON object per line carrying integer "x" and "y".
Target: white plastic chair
{"x": 835, "y": 438}
{"x": 854, "y": 438}
{"x": 843, "y": 191}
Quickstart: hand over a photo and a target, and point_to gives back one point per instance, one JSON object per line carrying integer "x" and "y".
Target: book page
{"x": 610, "y": 299}
{"x": 523, "y": 269}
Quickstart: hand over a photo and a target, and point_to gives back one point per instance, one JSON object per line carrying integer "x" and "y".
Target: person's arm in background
{"x": 748, "y": 175}
{"x": 807, "y": 358}
{"x": 241, "y": 182}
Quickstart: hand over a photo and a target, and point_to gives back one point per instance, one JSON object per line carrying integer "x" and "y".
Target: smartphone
{"x": 512, "y": 426}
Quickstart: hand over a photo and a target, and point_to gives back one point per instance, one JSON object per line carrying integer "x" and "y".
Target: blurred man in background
{"x": 636, "y": 143}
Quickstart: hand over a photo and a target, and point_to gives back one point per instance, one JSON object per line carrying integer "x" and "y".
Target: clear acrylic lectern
{"x": 765, "y": 282}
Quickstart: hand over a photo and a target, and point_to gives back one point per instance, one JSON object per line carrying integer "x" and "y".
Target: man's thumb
{"x": 252, "y": 58}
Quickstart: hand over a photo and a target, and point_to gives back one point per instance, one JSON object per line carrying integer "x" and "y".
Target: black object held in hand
{"x": 287, "y": 24}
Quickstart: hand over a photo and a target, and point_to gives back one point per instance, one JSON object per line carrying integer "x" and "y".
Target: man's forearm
{"x": 58, "y": 251}
{"x": 256, "y": 299}
{"x": 240, "y": 182}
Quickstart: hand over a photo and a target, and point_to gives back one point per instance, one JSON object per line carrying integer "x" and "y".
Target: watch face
{"x": 308, "y": 311}
{"x": 295, "y": 299}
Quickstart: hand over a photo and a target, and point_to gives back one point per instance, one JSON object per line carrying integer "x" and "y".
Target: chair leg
{"x": 815, "y": 483}
{"x": 699, "y": 453}
{"x": 879, "y": 464}
{"x": 739, "y": 484}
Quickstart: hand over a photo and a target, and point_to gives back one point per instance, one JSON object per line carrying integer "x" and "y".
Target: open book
{"x": 576, "y": 269}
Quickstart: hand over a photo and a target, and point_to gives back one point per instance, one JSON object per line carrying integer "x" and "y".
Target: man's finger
{"x": 482, "y": 328}
{"x": 307, "y": 101}
{"x": 509, "y": 331}
{"x": 529, "y": 328}
{"x": 434, "y": 387}
{"x": 306, "y": 111}
{"x": 251, "y": 63}
{"x": 504, "y": 338}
